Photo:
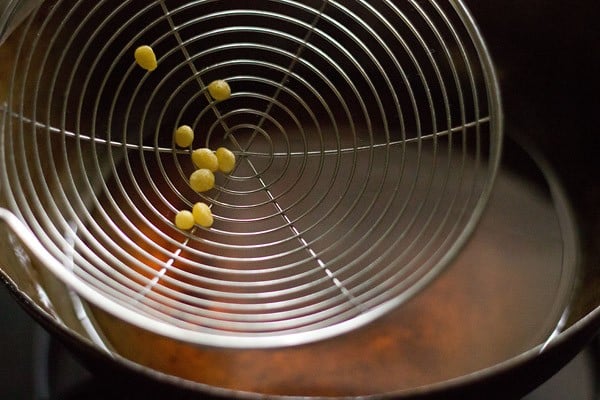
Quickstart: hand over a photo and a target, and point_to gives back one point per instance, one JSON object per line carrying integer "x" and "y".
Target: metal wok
{"x": 529, "y": 325}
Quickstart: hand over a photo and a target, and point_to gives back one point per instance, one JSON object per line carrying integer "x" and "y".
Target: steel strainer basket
{"x": 367, "y": 135}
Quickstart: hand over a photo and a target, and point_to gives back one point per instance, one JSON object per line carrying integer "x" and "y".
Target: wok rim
{"x": 574, "y": 338}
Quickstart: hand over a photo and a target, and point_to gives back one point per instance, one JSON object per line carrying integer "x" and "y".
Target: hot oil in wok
{"x": 503, "y": 295}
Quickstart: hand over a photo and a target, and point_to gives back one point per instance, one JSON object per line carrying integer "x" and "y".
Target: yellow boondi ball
{"x": 205, "y": 158}
{"x": 184, "y": 220}
{"x": 219, "y": 90}
{"x": 202, "y": 180}
{"x": 184, "y": 136}
{"x": 226, "y": 159}
{"x": 202, "y": 214}
{"x": 145, "y": 57}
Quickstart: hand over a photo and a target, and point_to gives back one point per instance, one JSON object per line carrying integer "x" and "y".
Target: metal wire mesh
{"x": 367, "y": 135}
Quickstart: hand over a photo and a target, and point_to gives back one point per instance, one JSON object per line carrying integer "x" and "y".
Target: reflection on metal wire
{"x": 367, "y": 136}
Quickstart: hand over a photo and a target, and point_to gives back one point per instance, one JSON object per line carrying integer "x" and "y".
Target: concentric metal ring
{"x": 367, "y": 137}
